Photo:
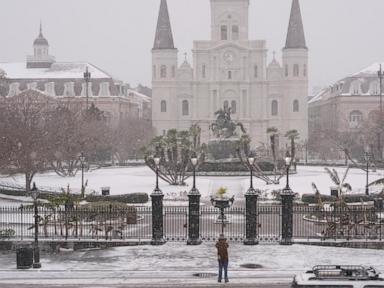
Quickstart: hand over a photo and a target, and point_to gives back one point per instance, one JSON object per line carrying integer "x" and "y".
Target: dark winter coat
{"x": 222, "y": 250}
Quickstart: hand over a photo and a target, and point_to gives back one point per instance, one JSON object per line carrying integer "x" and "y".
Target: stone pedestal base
{"x": 194, "y": 242}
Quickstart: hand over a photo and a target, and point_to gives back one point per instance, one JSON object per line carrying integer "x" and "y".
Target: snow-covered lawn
{"x": 142, "y": 179}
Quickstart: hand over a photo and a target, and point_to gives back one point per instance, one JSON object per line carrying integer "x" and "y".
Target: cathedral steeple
{"x": 295, "y": 36}
{"x": 163, "y": 38}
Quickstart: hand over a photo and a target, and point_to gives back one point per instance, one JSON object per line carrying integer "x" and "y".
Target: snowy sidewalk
{"x": 173, "y": 265}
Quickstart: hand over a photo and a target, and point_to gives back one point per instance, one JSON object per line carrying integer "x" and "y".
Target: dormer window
{"x": 355, "y": 88}
{"x": 374, "y": 88}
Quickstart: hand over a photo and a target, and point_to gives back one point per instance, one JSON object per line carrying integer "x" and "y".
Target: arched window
{"x": 224, "y": 32}
{"x": 154, "y": 71}
{"x": 296, "y": 106}
{"x": 163, "y": 71}
{"x": 355, "y": 118}
{"x": 173, "y": 72}
{"x": 296, "y": 70}
{"x": 305, "y": 72}
{"x": 229, "y": 75}
{"x": 235, "y": 32}
{"x": 203, "y": 71}
{"x": 374, "y": 116}
{"x": 286, "y": 72}
{"x": 234, "y": 107}
{"x": 226, "y": 104}
{"x": 274, "y": 108}
{"x": 163, "y": 105}
{"x": 185, "y": 108}
{"x": 255, "y": 71}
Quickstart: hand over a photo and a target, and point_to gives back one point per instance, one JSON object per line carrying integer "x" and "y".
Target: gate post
{"x": 251, "y": 221}
{"x": 287, "y": 196}
{"x": 194, "y": 217}
{"x": 157, "y": 218}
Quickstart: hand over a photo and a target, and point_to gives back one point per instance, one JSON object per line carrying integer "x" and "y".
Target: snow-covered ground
{"x": 142, "y": 179}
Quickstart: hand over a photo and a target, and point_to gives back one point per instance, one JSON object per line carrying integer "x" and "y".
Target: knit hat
{"x": 222, "y": 237}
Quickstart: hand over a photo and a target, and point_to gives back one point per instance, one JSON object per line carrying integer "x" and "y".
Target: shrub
{"x": 312, "y": 198}
{"x": 134, "y": 198}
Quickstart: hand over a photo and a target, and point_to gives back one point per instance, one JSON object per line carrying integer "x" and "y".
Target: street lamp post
{"x": 380, "y": 74}
{"x": 157, "y": 164}
{"x": 36, "y": 250}
{"x": 367, "y": 158}
{"x": 82, "y": 161}
{"x": 194, "y": 164}
{"x": 251, "y": 161}
{"x": 87, "y": 78}
{"x": 288, "y": 161}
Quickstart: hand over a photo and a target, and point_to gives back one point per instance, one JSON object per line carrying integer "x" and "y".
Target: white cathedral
{"x": 230, "y": 70}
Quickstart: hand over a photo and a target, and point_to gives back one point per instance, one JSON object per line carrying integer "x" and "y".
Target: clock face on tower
{"x": 228, "y": 57}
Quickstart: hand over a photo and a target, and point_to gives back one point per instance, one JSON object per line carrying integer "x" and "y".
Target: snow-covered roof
{"x": 367, "y": 78}
{"x": 58, "y": 70}
{"x": 372, "y": 69}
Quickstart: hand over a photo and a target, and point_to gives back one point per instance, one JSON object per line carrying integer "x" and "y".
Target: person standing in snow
{"x": 222, "y": 256}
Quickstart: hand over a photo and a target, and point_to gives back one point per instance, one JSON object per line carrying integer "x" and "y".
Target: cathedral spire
{"x": 163, "y": 38}
{"x": 295, "y": 36}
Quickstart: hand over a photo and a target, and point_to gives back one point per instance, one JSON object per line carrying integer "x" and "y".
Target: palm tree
{"x": 341, "y": 186}
{"x": 292, "y": 135}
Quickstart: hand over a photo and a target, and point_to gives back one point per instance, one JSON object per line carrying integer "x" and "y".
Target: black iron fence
{"x": 363, "y": 223}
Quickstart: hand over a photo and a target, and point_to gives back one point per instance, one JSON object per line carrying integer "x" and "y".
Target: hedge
{"x": 348, "y": 198}
{"x": 134, "y": 198}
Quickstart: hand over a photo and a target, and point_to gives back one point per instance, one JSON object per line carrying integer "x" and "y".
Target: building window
{"x": 305, "y": 72}
{"x": 229, "y": 75}
{"x": 234, "y": 107}
{"x": 154, "y": 71}
{"x": 355, "y": 118}
{"x": 286, "y": 73}
{"x": 226, "y": 104}
{"x": 355, "y": 88}
{"x": 296, "y": 106}
{"x": 274, "y": 108}
{"x": 296, "y": 70}
{"x": 375, "y": 88}
{"x": 185, "y": 107}
{"x": 255, "y": 71}
{"x": 173, "y": 72}
{"x": 163, "y": 106}
{"x": 203, "y": 71}
{"x": 224, "y": 32}
{"x": 235, "y": 32}
{"x": 163, "y": 71}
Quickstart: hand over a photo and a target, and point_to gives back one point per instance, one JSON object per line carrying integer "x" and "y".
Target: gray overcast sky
{"x": 343, "y": 36}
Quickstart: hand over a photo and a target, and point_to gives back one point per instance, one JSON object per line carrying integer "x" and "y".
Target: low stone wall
{"x": 55, "y": 246}
{"x": 346, "y": 244}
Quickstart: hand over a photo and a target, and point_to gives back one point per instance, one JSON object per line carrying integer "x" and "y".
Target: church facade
{"x": 230, "y": 70}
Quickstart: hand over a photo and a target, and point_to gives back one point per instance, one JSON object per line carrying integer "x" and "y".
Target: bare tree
{"x": 25, "y": 146}
{"x": 130, "y": 137}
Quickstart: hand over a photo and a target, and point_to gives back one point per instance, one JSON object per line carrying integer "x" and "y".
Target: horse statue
{"x": 224, "y": 126}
